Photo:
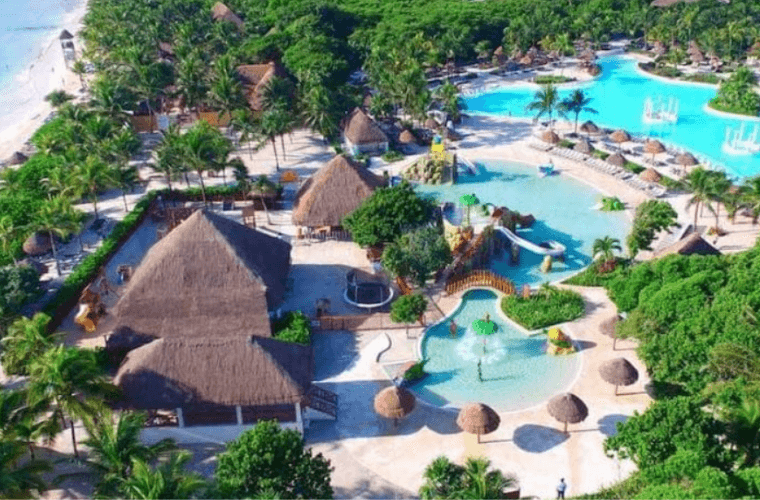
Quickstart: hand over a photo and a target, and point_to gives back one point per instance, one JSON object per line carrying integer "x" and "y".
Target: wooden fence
{"x": 478, "y": 278}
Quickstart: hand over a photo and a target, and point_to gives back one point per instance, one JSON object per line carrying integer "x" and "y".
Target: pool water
{"x": 619, "y": 94}
{"x": 563, "y": 208}
{"x": 516, "y": 372}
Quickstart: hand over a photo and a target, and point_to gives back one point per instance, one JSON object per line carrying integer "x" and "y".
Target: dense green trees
{"x": 417, "y": 254}
{"x": 651, "y": 217}
{"x": 575, "y": 103}
{"x": 737, "y": 93}
{"x": 408, "y": 309}
{"x": 273, "y": 462}
{"x": 447, "y": 480}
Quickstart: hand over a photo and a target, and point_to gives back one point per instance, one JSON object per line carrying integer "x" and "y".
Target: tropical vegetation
{"x": 548, "y": 306}
{"x": 475, "y": 479}
{"x": 737, "y": 94}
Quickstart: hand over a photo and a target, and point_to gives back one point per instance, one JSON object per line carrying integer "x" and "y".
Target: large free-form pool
{"x": 619, "y": 95}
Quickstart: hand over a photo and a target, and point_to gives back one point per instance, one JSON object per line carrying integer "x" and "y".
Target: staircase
{"x": 323, "y": 403}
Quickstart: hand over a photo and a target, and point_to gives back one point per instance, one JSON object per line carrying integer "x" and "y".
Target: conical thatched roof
{"x": 620, "y": 136}
{"x": 618, "y": 371}
{"x": 654, "y": 147}
{"x": 360, "y": 129}
{"x": 616, "y": 159}
{"x": 693, "y": 47}
{"x": 589, "y": 127}
{"x": 687, "y": 160}
{"x": 406, "y": 137}
{"x": 65, "y": 35}
{"x": 550, "y": 136}
{"x": 209, "y": 276}
{"x": 254, "y": 77}
{"x": 526, "y": 60}
{"x": 583, "y": 146}
{"x": 394, "y": 402}
{"x": 334, "y": 191}
{"x": 477, "y": 418}
{"x": 37, "y": 244}
{"x": 650, "y": 175}
{"x": 568, "y": 408}
{"x": 18, "y": 158}
{"x": 692, "y": 244}
{"x": 431, "y": 124}
{"x": 221, "y": 12}
{"x": 193, "y": 372}
{"x": 499, "y": 51}
{"x": 697, "y": 57}
{"x": 607, "y": 327}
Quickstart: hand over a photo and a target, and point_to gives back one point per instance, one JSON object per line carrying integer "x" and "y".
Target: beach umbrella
{"x": 650, "y": 175}
{"x": 406, "y": 137}
{"x": 607, "y": 327}
{"x": 589, "y": 127}
{"x": 477, "y": 418}
{"x": 394, "y": 402}
{"x": 37, "y": 244}
{"x": 620, "y": 136}
{"x": 654, "y": 148}
{"x": 526, "y": 61}
{"x": 617, "y": 159}
{"x": 484, "y": 327}
{"x": 588, "y": 56}
{"x": 693, "y": 47}
{"x": 468, "y": 200}
{"x": 697, "y": 57}
{"x": 550, "y": 136}
{"x": 567, "y": 408}
{"x": 583, "y": 146}
{"x": 431, "y": 124}
{"x": 687, "y": 160}
{"x": 618, "y": 371}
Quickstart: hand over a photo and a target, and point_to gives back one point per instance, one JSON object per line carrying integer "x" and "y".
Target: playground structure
{"x": 366, "y": 294}
{"x": 658, "y": 110}
{"x": 552, "y": 248}
{"x": 736, "y": 144}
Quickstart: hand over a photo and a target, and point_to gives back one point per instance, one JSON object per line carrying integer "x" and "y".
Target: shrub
{"x": 553, "y": 79}
{"x": 416, "y": 371}
{"x": 545, "y": 308}
{"x": 294, "y": 327}
{"x": 633, "y": 167}
{"x": 612, "y": 204}
{"x": 564, "y": 143}
{"x": 392, "y": 155}
{"x": 600, "y": 154}
{"x": 737, "y": 94}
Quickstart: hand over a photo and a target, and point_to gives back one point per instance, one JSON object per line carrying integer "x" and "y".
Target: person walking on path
{"x": 561, "y": 488}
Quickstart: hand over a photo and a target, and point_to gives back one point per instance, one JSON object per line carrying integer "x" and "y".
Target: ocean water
{"x": 27, "y": 28}
{"x": 619, "y": 95}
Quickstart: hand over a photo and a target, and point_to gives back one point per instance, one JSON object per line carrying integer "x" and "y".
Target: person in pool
{"x": 453, "y": 328}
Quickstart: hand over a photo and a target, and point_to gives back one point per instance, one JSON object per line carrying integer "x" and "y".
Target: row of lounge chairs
{"x": 624, "y": 175}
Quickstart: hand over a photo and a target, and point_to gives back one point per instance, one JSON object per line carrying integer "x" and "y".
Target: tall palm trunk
{"x": 95, "y": 205}
{"x": 282, "y": 141}
{"x": 124, "y": 197}
{"x": 203, "y": 186}
{"x": 55, "y": 254}
{"x": 696, "y": 213}
{"x": 276, "y": 160}
{"x": 74, "y": 438}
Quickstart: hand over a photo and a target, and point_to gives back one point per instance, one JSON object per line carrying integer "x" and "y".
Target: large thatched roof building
{"x": 221, "y": 12}
{"x": 362, "y": 135}
{"x": 254, "y": 78}
{"x": 209, "y": 276}
{"x": 333, "y": 192}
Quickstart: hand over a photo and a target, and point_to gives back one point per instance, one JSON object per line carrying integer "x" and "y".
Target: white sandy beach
{"x": 46, "y": 73}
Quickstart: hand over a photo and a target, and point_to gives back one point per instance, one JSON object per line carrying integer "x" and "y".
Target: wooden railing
{"x": 479, "y": 278}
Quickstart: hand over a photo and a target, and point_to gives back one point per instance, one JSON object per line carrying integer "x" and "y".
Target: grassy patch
{"x": 591, "y": 276}
{"x": 553, "y": 79}
{"x": 600, "y": 154}
{"x": 703, "y": 78}
{"x": 633, "y": 167}
{"x": 564, "y": 143}
{"x": 671, "y": 184}
{"x": 546, "y": 308}
{"x": 737, "y": 109}
{"x": 392, "y": 155}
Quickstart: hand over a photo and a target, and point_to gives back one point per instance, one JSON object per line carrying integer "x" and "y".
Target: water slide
{"x": 555, "y": 249}
{"x": 468, "y": 165}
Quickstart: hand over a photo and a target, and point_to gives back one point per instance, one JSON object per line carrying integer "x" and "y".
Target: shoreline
{"x": 43, "y": 74}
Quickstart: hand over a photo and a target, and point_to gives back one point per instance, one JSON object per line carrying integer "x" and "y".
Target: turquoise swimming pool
{"x": 563, "y": 208}
{"x": 516, "y": 373}
{"x": 619, "y": 96}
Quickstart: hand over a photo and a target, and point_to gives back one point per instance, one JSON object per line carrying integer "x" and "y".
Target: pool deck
{"x": 528, "y": 443}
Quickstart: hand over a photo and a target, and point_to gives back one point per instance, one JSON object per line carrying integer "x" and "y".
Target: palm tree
{"x": 744, "y": 428}
{"x": 80, "y": 69}
{"x": 575, "y": 103}
{"x": 249, "y": 128}
{"x": 226, "y": 92}
{"x": 91, "y": 177}
{"x": 113, "y": 447}
{"x": 110, "y": 97}
{"x": 443, "y": 479}
{"x": 273, "y": 123}
{"x": 71, "y": 380}
{"x": 205, "y": 148}
{"x": 57, "y": 217}
{"x": 190, "y": 79}
{"x": 698, "y": 182}
{"x": 58, "y": 98}
{"x": 719, "y": 186}
{"x": 18, "y": 481}
{"x": 125, "y": 177}
{"x": 168, "y": 480}
{"x": 480, "y": 483}
{"x": 318, "y": 110}
{"x": 448, "y": 95}
{"x": 751, "y": 193}
{"x": 170, "y": 155}
{"x": 606, "y": 247}
{"x": 26, "y": 339}
{"x": 546, "y": 101}
{"x": 8, "y": 234}
{"x": 277, "y": 94}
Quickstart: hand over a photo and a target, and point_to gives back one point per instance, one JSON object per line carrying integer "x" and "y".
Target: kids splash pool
{"x": 515, "y": 373}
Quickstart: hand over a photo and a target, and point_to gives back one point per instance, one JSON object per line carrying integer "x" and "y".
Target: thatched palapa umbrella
{"x": 618, "y": 371}
{"x": 477, "y": 418}
{"x": 654, "y": 148}
{"x": 589, "y": 127}
{"x": 697, "y": 57}
{"x": 583, "y": 146}
{"x": 620, "y": 136}
{"x": 650, "y": 175}
{"x": 406, "y": 137}
{"x": 617, "y": 159}
{"x": 550, "y": 136}
{"x": 567, "y": 408}
{"x": 431, "y": 124}
{"x": 394, "y": 402}
{"x": 687, "y": 160}
{"x": 37, "y": 244}
{"x": 608, "y": 328}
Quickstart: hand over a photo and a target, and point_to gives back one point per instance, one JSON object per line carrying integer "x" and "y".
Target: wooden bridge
{"x": 479, "y": 278}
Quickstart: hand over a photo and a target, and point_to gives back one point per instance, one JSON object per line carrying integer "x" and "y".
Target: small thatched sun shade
{"x": 654, "y": 147}
{"x": 431, "y": 124}
{"x": 406, "y": 137}
{"x": 394, "y": 402}
{"x": 477, "y": 418}
{"x": 583, "y": 146}
{"x": 620, "y": 136}
{"x": 687, "y": 160}
{"x": 619, "y": 371}
{"x": 617, "y": 159}
{"x": 650, "y": 175}
{"x": 550, "y": 136}
{"x": 37, "y": 244}
{"x": 607, "y": 327}
{"x": 589, "y": 127}
{"x": 568, "y": 408}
